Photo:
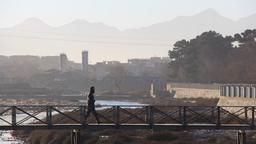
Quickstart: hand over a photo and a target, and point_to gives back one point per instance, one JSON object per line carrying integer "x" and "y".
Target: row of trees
{"x": 210, "y": 57}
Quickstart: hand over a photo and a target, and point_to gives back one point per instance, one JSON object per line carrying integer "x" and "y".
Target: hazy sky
{"x": 119, "y": 13}
{"x": 122, "y": 14}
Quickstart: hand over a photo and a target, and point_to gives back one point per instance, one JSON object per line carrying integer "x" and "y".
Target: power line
{"x": 84, "y": 41}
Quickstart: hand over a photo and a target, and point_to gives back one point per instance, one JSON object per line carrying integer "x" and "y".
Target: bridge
{"x": 29, "y": 117}
{"x": 73, "y": 117}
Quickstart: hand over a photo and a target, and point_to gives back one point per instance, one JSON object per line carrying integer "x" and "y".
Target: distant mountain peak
{"x": 209, "y": 12}
{"x": 33, "y": 24}
{"x": 79, "y": 21}
{"x": 81, "y": 25}
{"x": 34, "y": 19}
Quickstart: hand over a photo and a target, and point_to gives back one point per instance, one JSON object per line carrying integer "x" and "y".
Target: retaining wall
{"x": 194, "y": 90}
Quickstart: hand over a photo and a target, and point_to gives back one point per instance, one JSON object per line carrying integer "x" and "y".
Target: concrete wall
{"x": 196, "y": 93}
{"x": 238, "y": 90}
{"x": 226, "y": 94}
{"x": 194, "y": 90}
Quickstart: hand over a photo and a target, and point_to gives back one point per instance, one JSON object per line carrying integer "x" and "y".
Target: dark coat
{"x": 91, "y": 100}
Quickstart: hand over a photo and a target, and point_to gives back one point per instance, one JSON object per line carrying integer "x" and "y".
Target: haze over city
{"x": 50, "y": 28}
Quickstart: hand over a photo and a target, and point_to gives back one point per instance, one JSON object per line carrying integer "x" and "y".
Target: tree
{"x": 200, "y": 59}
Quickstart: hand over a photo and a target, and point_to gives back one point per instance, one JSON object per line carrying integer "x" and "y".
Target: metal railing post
{"x": 218, "y": 117}
{"x": 184, "y": 123}
{"x": 180, "y": 114}
{"x": 82, "y": 115}
{"x": 146, "y": 115}
{"x": 150, "y": 115}
{"x": 246, "y": 112}
{"x": 49, "y": 116}
{"x": 116, "y": 115}
{"x": 212, "y": 113}
{"x": 14, "y": 120}
{"x": 253, "y": 118}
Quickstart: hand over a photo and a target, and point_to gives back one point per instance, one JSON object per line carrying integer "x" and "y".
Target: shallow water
{"x": 113, "y": 102}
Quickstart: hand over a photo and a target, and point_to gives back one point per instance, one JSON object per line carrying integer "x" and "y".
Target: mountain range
{"x": 33, "y": 36}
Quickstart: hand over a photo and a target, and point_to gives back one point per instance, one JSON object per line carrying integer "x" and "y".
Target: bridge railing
{"x": 67, "y": 116}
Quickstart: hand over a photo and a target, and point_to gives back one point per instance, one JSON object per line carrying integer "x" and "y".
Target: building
{"x": 63, "y": 62}
{"x": 149, "y": 62}
{"x": 85, "y": 61}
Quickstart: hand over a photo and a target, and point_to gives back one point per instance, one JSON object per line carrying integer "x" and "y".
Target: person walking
{"x": 91, "y": 105}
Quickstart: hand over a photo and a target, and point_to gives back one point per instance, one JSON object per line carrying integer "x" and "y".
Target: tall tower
{"x": 85, "y": 61}
{"x": 63, "y": 62}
